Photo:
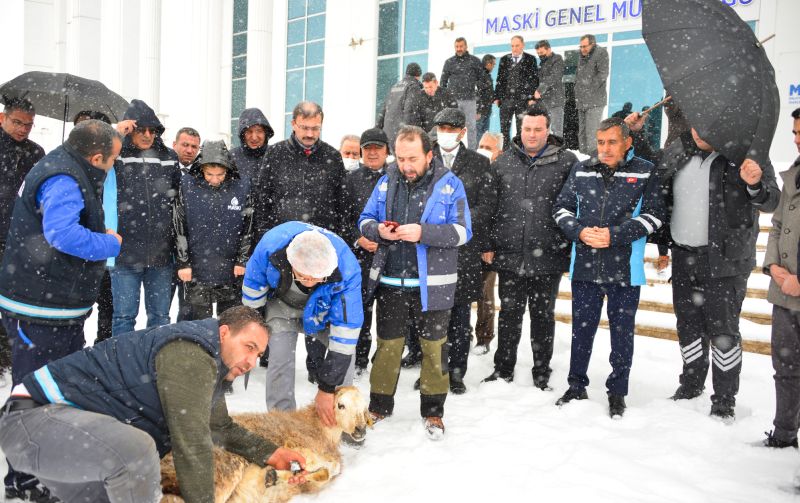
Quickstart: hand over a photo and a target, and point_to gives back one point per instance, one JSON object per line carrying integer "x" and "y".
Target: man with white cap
{"x": 310, "y": 282}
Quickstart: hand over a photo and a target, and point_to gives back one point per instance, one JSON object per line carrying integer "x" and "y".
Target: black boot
{"x": 499, "y": 375}
{"x": 411, "y": 360}
{"x": 685, "y": 392}
{"x": 616, "y": 406}
{"x": 457, "y": 386}
{"x": 776, "y": 443}
{"x": 572, "y": 394}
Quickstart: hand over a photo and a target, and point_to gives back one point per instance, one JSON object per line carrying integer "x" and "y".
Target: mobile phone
{"x": 392, "y": 225}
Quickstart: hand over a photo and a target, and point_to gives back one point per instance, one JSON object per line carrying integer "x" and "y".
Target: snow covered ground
{"x": 508, "y": 442}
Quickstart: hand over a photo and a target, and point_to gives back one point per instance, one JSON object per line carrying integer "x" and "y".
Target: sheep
{"x": 237, "y": 481}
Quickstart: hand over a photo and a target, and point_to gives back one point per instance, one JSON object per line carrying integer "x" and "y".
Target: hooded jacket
{"x": 147, "y": 182}
{"x": 16, "y": 160}
{"x": 248, "y": 159}
{"x": 590, "y": 79}
{"x": 479, "y": 180}
{"x": 396, "y": 105}
{"x": 293, "y": 185}
{"x": 526, "y": 239}
{"x": 625, "y": 200}
{"x": 213, "y": 225}
{"x": 446, "y": 225}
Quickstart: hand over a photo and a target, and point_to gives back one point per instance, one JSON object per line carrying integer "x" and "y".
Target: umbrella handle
{"x": 656, "y": 105}
{"x": 762, "y": 42}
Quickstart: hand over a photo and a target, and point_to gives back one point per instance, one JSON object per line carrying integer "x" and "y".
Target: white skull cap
{"x": 312, "y": 254}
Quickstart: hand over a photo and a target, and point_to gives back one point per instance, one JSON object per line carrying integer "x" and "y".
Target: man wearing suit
{"x": 517, "y": 80}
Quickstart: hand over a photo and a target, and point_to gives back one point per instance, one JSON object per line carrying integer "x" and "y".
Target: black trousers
{"x": 539, "y": 294}
{"x": 786, "y": 362}
{"x": 365, "y": 337}
{"x": 511, "y": 108}
{"x": 708, "y": 318}
{"x": 459, "y": 334}
{"x": 200, "y": 299}
{"x": 105, "y": 309}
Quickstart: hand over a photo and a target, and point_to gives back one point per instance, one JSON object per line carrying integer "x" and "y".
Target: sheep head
{"x": 351, "y": 412}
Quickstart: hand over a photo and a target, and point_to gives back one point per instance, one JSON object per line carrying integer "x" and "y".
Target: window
{"x": 402, "y": 39}
{"x": 305, "y": 55}
{"x": 239, "y": 67}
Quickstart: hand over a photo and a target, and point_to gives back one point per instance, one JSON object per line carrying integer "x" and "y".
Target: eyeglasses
{"x": 18, "y": 124}
{"x": 143, "y": 130}
{"x": 309, "y": 129}
{"x": 307, "y": 279}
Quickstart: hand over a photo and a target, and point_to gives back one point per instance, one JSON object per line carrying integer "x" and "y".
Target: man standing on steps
{"x": 607, "y": 207}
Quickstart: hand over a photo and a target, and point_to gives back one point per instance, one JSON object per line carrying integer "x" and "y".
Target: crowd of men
{"x": 416, "y": 219}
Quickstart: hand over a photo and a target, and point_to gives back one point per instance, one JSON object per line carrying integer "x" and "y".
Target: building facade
{"x": 200, "y": 63}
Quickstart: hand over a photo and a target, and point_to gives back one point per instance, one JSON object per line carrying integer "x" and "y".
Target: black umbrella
{"x": 61, "y": 95}
{"x": 715, "y": 69}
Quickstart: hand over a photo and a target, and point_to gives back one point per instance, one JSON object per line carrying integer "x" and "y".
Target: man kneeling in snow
{"x": 93, "y": 424}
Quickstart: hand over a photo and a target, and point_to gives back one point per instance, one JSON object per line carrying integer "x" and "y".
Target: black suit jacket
{"x": 516, "y": 82}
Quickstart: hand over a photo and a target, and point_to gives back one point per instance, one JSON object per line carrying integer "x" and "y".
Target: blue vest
{"x": 49, "y": 286}
{"x": 215, "y": 223}
{"x": 117, "y": 377}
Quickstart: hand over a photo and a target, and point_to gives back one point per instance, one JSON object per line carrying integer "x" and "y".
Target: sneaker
{"x": 480, "y": 349}
{"x": 434, "y": 428}
{"x": 685, "y": 392}
{"x": 411, "y": 360}
{"x": 37, "y": 494}
{"x": 723, "y": 411}
{"x": 227, "y": 387}
{"x": 616, "y": 406}
{"x": 771, "y": 441}
{"x": 457, "y": 386}
{"x": 572, "y": 394}
{"x": 499, "y": 375}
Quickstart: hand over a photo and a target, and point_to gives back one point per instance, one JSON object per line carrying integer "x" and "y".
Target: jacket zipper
{"x": 602, "y": 218}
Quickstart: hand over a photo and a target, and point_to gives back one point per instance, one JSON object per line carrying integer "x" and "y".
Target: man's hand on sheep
{"x": 324, "y": 402}
{"x": 282, "y": 459}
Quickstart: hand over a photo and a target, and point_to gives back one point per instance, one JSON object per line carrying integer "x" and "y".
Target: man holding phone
{"x": 418, "y": 215}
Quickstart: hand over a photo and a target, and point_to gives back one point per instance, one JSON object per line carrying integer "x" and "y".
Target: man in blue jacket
{"x": 55, "y": 258}
{"x": 418, "y": 215}
{"x": 607, "y": 207}
{"x": 310, "y": 282}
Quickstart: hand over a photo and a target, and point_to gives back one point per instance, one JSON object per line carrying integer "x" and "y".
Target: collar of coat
{"x": 553, "y": 147}
{"x": 300, "y": 148}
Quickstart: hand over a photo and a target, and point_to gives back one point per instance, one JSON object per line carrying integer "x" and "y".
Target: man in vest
{"x": 55, "y": 257}
{"x": 93, "y": 425}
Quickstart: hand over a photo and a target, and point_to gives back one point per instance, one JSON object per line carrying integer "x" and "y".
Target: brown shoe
{"x": 375, "y": 417}
{"x": 434, "y": 427}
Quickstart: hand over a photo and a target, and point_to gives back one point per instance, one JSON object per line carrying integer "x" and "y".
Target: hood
{"x": 144, "y": 116}
{"x": 251, "y": 117}
{"x": 554, "y": 145}
{"x": 214, "y": 152}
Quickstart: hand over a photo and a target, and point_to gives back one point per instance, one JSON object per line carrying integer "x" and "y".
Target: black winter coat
{"x": 396, "y": 105}
{"x": 526, "y": 239}
{"x": 464, "y": 76}
{"x": 248, "y": 159}
{"x": 733, "y": 214}
{"x": 423, "y": 108}
{"x": 485, "y": 97}
{"x": 358, "y": 186}
{"x": 516, "y": 82}
{"x": 479, "y": 179}
{"x": 16, "y": 160}
{"x": 294, "y": 186}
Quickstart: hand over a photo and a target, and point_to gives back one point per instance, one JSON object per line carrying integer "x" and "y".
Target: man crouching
{"x": 92, "y": 425}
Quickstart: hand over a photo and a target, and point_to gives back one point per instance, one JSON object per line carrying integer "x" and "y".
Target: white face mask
{"x": 350, "y": 164}
{"x": 447, "y": 141}
{"x": 487, "y": 154}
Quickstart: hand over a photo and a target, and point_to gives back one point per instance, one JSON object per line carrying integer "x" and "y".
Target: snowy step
{"x": 659, "y": 298}
{"x": 755, "y": 337}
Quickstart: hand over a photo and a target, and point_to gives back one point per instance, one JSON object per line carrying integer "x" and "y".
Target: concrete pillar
{"x": 259, "y": 48}
{"x": 149, "y": 41}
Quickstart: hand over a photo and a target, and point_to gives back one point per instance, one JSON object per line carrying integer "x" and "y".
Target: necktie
{"x": 516, "y": 59}
{"x": 307, "y": 151}
{"x": 448, "y": 160}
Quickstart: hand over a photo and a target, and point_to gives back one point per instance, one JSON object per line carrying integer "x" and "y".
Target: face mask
{"x": 447, "y": 141}
{"x": 485, "y": 153}
{"x": 350, "y": 164}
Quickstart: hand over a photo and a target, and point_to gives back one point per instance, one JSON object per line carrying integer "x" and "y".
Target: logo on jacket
{"x": 448, "y": 189}
{"x": 632, "y": 179}
{"x": 383, "y": 187}
{"x": 235, "y": 206}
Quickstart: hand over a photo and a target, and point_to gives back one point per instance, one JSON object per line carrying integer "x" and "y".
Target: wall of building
{"x": 177, "y": 55}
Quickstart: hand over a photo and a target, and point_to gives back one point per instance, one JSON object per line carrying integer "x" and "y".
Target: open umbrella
{"x": 715, "y": 69}
{"x": 62, "y": 95}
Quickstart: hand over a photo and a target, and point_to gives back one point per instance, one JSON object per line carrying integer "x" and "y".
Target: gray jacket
{"x": 551, "y": 87}
{"x": 782, "y": 244}
{"x": 590, "y": 79}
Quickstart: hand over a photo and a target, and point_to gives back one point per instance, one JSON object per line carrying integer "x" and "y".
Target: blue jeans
{"x": 126, "y": 283}
{"x": 482, "y": 125}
